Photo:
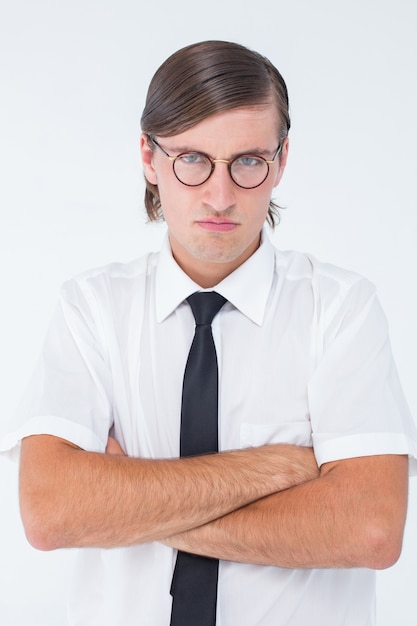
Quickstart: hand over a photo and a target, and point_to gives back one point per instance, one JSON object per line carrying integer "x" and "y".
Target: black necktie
{"x": 194, "y": 583}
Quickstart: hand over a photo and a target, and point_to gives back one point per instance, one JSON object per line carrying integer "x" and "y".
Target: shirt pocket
{"x": 295, "y": 433}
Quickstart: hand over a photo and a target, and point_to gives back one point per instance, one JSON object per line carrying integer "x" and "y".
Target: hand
{"x": 113, "y": 447}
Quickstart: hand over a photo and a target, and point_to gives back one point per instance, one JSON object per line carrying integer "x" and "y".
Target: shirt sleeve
{"x": 356, "y": 401}
{"x": 69, "y": 395}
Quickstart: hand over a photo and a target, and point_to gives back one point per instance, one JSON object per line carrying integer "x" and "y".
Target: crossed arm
{"x": 351, "y": 516}
{"x": 267, "y": 505}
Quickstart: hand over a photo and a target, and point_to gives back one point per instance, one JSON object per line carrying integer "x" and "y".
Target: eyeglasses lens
{"x": 247, "y": 171}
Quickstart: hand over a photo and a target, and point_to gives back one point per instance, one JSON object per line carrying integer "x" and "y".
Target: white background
{"x": 73, "y": 82}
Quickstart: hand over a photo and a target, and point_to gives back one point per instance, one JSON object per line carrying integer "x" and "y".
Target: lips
{"x": 217, "y": 225}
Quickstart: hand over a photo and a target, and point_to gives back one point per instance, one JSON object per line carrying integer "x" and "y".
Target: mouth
{"x": 219, "y": 225}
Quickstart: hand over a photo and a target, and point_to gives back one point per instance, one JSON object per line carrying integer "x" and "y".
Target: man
{"x": 307, "y": 494}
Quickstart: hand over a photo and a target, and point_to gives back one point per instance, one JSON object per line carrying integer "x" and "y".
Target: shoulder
{"x": 324, "y": 279}
{"x": 107, "y": 298}
{"x": 110, "y": 294}
{"x": 330, "y": 292}
{"x": 113, "y": 277}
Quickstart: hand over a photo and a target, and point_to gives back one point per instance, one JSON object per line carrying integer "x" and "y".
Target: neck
{"x": 207, "y": 275}
{"x": 209, "y": 272}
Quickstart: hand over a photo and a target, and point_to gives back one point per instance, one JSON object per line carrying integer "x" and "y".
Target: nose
{"x": 220, "y": 190}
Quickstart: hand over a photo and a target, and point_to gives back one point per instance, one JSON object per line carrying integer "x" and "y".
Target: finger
{"x": 113, "y": 447}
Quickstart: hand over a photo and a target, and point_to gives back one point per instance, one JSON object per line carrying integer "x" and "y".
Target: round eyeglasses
{"x": 195, "y": 168}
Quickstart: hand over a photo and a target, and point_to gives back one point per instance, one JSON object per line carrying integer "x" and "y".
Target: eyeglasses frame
{"x": 214, "y": 161}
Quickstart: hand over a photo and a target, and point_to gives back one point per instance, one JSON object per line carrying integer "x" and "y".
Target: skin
{"x": 70, "y": 497}
{"x": 270, "y": 505}
{"x": 215, "y": 227}
{"x": 282, "y": 536}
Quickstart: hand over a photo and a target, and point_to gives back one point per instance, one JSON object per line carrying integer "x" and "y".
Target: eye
{"x": 249, "y": 161}
{"x": 192, "y": 158}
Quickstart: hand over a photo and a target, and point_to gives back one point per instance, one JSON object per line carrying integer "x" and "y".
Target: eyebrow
{"x": 257, "y": 151}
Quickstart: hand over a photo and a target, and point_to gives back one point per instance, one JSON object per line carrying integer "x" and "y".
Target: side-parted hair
{"x": 207, "y": 78}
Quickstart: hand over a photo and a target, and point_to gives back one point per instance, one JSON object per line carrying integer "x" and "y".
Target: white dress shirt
{"x": 304, "y": 358}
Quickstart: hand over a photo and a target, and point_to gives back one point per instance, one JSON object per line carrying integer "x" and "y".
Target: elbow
{"x": 43, "y": 507}
{"x": 40, "y": 520}
{"x": 38, "y": 530}
{"x": 381, "y": 547}
{"x": 39, "y": 540}
{"x": 386, "y": 555}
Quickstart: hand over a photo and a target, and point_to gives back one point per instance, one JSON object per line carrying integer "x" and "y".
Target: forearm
{"x": 336, "y": 520}
{"x": 70, "y": 497}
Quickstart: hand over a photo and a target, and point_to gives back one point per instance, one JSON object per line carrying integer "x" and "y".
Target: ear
{"x": 282, "y": 162}
{"x": 147, "y": 160}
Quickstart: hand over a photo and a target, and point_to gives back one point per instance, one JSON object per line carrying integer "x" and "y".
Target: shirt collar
{"x": 247, "y": 288}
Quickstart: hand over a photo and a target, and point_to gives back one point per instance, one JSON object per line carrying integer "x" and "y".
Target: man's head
{"x": 202, "y": 80}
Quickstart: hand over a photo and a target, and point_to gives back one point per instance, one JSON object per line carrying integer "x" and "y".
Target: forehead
{"x": 237, "y": 129}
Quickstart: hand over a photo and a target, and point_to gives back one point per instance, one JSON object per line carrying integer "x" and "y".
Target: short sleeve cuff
{"x": 52, "y": 425}
{"x": 331, "y": 447}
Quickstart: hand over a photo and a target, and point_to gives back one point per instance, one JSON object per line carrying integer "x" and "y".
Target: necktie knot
{"x": 205, "y": 305}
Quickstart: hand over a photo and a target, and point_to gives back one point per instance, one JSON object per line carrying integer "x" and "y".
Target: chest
{"x": 263, "y": 376}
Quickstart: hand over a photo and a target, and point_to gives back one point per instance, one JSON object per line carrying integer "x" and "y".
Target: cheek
{"x": 174, "y": 203}
{"x": 263, "y": 199}
{"x": 159, "y": 172}
{"x": 276, "y": 178}
{"x": 261, "y": 212}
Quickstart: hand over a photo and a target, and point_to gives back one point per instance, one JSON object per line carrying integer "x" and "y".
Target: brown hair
{"x": 203, "y": 79}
